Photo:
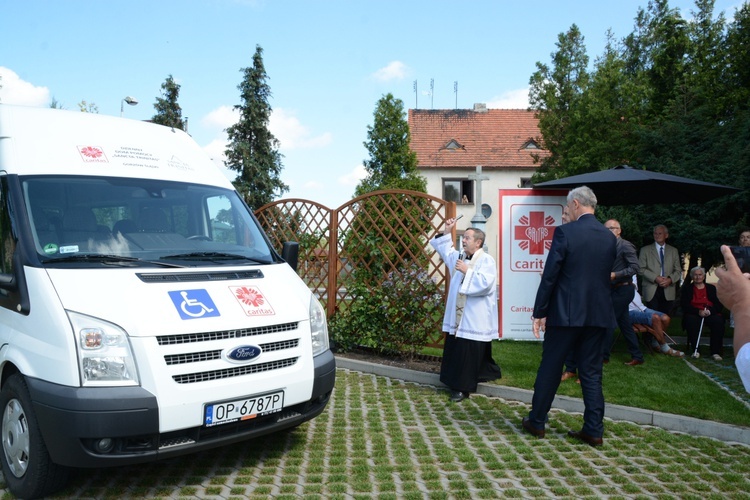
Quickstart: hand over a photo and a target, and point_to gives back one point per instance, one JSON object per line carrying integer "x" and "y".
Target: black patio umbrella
{"x": 625, "y": 185}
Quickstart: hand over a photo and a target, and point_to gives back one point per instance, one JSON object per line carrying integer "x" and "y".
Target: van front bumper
{"x": 110, "y": 426}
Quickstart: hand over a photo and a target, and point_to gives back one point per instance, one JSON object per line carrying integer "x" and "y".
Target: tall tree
{"x": 253, "y": 150}
{"x": 379, "y": 241}
{"x": 168, "y": 111}
{"x": 554, "y": 93}
{"x": 672, "y": 97}
{"x": 392, "y": 163}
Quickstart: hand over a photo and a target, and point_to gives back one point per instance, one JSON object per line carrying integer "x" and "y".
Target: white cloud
{"x": 16, "y": 91}
{"x": 395, "y": 70}
{"x": 215, "y": 149}
{"x": 286, "y": 127}
{"x": 221, "y": 117}
{"x": 292, "y": 134}
{"x": 512, "y": 99}
{"x": 353, "y": 177}
{"x": 316, "y": 185}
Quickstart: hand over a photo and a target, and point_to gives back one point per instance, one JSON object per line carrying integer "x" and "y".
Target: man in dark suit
{"x": 574, "y": 308}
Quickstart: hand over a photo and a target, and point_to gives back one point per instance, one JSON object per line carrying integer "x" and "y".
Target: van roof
{"x": 37, "y": 141}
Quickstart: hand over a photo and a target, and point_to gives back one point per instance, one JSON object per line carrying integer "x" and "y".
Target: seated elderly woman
{"x": 701, "y": 308}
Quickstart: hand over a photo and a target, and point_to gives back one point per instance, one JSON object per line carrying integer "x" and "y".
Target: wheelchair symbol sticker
{"x": 192, "y": 304}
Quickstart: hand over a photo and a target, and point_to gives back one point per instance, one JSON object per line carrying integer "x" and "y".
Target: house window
{"x": 525, "y": 182}
{"x": 458, "y": 190}
{"x": 531, "y": 144}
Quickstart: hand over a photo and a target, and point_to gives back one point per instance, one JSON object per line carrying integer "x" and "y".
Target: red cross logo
{"x": 534, "y": 233}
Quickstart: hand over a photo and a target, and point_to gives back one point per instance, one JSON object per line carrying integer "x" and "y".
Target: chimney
{"x": 480, "y": 107}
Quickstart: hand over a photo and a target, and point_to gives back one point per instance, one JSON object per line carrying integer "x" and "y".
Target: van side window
{"x": 221, "y": 220}
{"x": 7, "y": 238}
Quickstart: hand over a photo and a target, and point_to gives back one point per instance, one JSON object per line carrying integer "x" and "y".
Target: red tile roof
{"x": 494, "y": 138}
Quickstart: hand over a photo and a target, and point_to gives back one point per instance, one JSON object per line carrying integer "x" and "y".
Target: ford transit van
{"x": 143, "y": 312}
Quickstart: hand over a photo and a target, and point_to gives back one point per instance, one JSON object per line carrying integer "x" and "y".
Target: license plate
{"x": 243, "y": 409}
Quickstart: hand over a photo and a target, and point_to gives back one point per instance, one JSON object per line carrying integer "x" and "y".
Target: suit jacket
{"x": 575, "y": 289}
{"x": 650, "y": 264}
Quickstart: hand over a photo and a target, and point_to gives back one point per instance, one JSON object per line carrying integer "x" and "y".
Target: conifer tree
{"x": 168, "y": 111}
{"x": 253, "y": 150}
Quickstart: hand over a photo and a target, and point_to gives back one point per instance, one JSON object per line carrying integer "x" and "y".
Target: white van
{"x": 143, "y": 312}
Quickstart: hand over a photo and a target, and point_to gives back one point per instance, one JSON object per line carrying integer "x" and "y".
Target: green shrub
{"x": 394, "y": 318}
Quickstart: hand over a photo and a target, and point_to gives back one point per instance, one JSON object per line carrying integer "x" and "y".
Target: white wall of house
{"x": 499, "y": 179}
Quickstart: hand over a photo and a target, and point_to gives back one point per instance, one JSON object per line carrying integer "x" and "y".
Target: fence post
{"x": 333, "y": 263}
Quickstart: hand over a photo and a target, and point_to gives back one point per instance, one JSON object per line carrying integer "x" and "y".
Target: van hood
{"x": 148, "y": 302}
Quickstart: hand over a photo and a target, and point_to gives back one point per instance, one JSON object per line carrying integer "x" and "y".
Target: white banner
{"x": 527, "y": 220}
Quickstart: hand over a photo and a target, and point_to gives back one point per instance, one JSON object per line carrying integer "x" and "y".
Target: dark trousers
{"x": 660, "y": 302}
{"x": 622, "y": 296}
{"x": 586, "y": 344}
{"x": 715, "y": 323}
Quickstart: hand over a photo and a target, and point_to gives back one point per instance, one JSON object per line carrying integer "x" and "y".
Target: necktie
{"x": 661, "y": 258}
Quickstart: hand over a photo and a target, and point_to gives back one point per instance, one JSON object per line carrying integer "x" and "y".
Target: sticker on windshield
{"x": 69, "y": 249}
{"x": 50, "y": 248}
{"x": 192, "y": 304}
{"x": 252, "y": 301}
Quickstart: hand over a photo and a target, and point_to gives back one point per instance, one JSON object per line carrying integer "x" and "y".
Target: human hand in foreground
{"x": 733, "y": 287}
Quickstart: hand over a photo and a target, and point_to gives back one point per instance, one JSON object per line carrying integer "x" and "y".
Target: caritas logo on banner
{"x": 527, "y": 221}
{"x": 533, "y": 225}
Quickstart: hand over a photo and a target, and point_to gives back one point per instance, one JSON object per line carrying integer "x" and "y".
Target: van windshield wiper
{"x": 212, "y": 256}
{"x": 107, "y": 259}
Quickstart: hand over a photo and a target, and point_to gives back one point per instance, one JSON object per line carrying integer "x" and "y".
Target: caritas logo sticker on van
{"x": 252, "y": 301}
{"x": 92, "y": 154}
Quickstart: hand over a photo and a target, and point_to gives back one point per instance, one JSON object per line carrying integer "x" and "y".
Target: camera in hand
{"x": 742, "y": 256}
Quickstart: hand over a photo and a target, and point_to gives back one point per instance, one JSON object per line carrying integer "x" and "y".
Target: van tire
{"x": 27, "y": 468}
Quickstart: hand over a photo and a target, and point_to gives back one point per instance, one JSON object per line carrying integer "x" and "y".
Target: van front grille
{"x": 188, "y": 338}
{"x": 192, "y": 378}
{"x": 197, "y": 357}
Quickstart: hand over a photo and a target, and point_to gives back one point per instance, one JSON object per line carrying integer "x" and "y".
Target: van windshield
{"x": 106, "y": 220}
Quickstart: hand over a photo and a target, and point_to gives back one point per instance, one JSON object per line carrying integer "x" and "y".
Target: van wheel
{"x": 27, "y": 467}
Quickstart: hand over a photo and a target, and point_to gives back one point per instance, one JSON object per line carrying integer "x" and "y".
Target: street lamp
{"x": 130, "y": 100}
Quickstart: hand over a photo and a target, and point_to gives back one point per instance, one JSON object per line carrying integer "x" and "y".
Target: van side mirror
{"x": 7, "y": 282}
{"x": 290, "y": 253}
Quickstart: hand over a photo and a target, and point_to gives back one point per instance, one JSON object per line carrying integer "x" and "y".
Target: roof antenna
{"x": 455, "y": 91}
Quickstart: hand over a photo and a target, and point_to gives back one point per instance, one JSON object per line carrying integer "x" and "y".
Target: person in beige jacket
{"x": 660, "y": 271}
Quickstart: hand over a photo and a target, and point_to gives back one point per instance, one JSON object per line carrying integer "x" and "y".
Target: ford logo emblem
{"x": 243, "y": 353}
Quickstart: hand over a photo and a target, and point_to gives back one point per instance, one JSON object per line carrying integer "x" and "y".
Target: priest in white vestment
{"x": 470, "y": 321}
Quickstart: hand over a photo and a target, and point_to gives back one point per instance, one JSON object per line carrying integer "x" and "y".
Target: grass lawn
{"x": 662, "y": 383}
{"x": 700, "y": 388}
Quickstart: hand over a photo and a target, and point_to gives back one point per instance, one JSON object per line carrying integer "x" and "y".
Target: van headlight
{"x": 318, "y": 327}
{"x": 104, "y": 354}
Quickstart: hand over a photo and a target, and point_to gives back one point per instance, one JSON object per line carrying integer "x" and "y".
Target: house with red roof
{"x": 451, "y": 143}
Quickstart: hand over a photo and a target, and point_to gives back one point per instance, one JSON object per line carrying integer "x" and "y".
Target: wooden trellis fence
{"x": 377, "y": 233}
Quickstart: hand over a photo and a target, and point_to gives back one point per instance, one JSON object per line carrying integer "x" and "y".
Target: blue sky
{"x": 328, "y": 63}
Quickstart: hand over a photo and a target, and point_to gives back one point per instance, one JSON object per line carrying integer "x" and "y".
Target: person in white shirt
{"x": 658, "y": 321}
{"x": 470, "y": 322}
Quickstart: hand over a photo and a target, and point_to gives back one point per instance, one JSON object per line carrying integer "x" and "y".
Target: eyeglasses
{"x": 612, "y": 228}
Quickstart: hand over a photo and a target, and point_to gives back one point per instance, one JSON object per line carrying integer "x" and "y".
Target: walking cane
{"x": 696, "y": 354}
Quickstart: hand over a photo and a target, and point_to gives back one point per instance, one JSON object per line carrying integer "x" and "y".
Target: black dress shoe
{"x": 634, "y": 362}
{"x": 526, "y": 424}
{"x": 458, "y": 396}
{"x": 582, "y": 436}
